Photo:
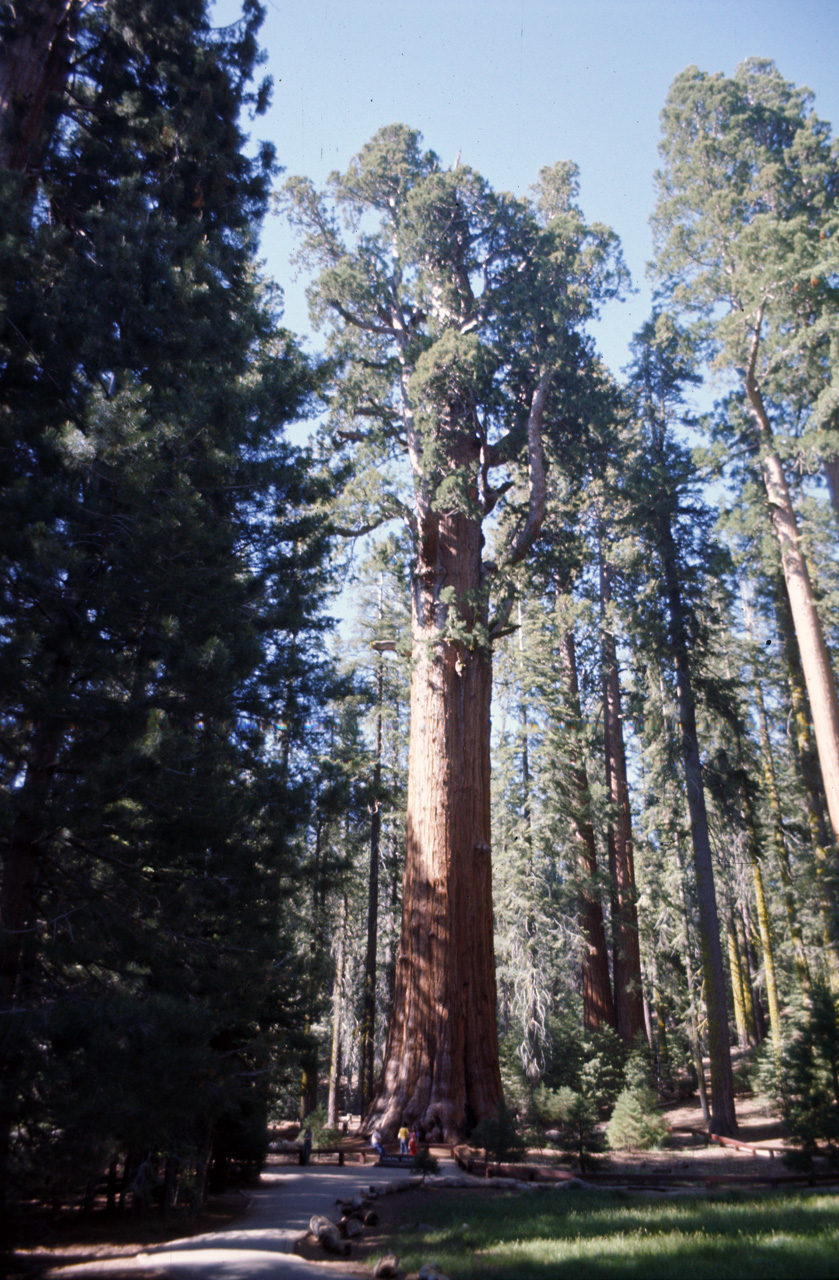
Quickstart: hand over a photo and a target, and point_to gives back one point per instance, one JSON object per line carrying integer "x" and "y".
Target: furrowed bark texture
{"x": 441, "y": 1060}
{"x": 34, "y": 63}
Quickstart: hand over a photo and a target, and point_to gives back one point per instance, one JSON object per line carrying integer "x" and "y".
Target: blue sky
{"x": 514, "y": 85}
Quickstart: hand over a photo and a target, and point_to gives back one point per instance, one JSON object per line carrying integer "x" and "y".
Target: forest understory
{"x": 50, "y": 1242}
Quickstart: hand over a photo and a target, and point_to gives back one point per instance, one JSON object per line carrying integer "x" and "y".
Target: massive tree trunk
{"x": 598, "y": 1004}
{"x": 441, "y": 1060}
{"x": 626, "y": 962}
{"x": 35, "y": 52}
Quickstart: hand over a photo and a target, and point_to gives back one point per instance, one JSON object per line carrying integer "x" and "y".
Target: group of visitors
{"x": 408, "y": 1141}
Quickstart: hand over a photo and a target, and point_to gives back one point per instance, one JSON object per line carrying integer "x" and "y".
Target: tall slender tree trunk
{"x": 441, "y": 1059}
{"x": 830, "y": 467}
{"x": 815, "y": 661}
{"x": 808, "y": 768}
{"x": 337, "y": 1019}
{"x": 694, "y": 1000}
{"x": 764, "y": 922}
{"x": 745, "y": 940}
{"x": 532, "y": 1020}
{"x": 626, "y": 953}
{"x": 723, "y": 1117}
{"x": 598, "y": 1003}
{"x": 802, "y": 967}
{"x": 738, "y": 990}
{"x": 368, "y": 1016}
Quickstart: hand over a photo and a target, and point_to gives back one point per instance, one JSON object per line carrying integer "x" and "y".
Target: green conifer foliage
{"x": 635, "y": 1123}
{"x": 159, "y": 574}
{"x": 745, "y": 226}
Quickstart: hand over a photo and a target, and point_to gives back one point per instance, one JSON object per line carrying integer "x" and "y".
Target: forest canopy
{"x": 561, "y": 795}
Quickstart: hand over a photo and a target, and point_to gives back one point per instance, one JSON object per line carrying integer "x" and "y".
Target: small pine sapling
{"x": 499, "y": 1136}
{"x": 636, "y": 1123}
{"x": 809, "y": 1079}
{"x": 425, "y": 1163}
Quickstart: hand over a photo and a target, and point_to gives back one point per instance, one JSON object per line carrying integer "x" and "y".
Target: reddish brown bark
{"x": 34, "y": 63}
{"x": 598, "y": 1003}
{"x": 441, "y": 1060}
{"x": 626, "y": 955}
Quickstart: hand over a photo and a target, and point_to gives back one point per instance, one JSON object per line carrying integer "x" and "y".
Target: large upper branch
{"x": 528, "y": 531}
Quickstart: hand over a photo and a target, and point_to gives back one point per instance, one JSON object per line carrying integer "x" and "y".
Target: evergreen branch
{"x": 356, "y": 322}
{"x": 529, "y": 531}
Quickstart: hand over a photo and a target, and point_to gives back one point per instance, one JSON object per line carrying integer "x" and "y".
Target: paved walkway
{"x": 258, "y": 1246}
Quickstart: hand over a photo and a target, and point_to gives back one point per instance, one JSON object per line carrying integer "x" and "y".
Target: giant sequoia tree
{"x": 452, "y": 314}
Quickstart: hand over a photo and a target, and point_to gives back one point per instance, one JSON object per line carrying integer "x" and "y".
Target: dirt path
{"x": 259, "y": 1243}
{"x": 258, "y": 1246}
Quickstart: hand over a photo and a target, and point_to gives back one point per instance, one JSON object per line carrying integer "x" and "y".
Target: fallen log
{"x": 328, "y": 1235}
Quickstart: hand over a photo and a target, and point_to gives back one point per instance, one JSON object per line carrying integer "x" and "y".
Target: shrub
{"x": 636, "y": 1124}
{"x": 425, "y": 1163}
{"x": 499, "y": 1135}
{"x": 322, "y": 1135}
{"x": 571, "y": 1113}
{"x": 590, "y": 1063}
{"x": 809, "y": 1075}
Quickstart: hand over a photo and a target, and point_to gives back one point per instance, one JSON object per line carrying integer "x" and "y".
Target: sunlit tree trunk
{"x": 441, "y": 1060}
{"x": 808, "y": 767}
{"x": 737, "y": 986}
{"x": 815, "y": 661}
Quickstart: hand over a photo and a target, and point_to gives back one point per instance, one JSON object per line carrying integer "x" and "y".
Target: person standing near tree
{"x": 403, "y": 1140}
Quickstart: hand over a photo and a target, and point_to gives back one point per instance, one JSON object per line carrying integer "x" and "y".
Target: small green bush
{"x": 425, "y": 1163}
{"x": 322, "y": 1134}
{"x": 499, "y": 1136}
{"x": 590, "y": 1062}
{"x": 636, "y": 1124}
{"x": 573, "y": 1114}
{"x": 809, "y": 1075}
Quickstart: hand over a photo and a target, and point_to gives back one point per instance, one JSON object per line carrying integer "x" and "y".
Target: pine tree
{"x": 661, "y": 483}
{"x": 744, "y": 225}
{"x": 161, "y": 570}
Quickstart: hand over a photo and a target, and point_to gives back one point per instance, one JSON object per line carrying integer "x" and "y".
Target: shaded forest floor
{"x": 48, "y": 1242}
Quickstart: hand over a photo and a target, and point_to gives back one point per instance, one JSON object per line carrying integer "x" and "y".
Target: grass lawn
{"x": 592, "y": 1235}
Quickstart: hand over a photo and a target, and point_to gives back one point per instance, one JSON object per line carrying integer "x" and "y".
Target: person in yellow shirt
{"x": 403, "y": 1140}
